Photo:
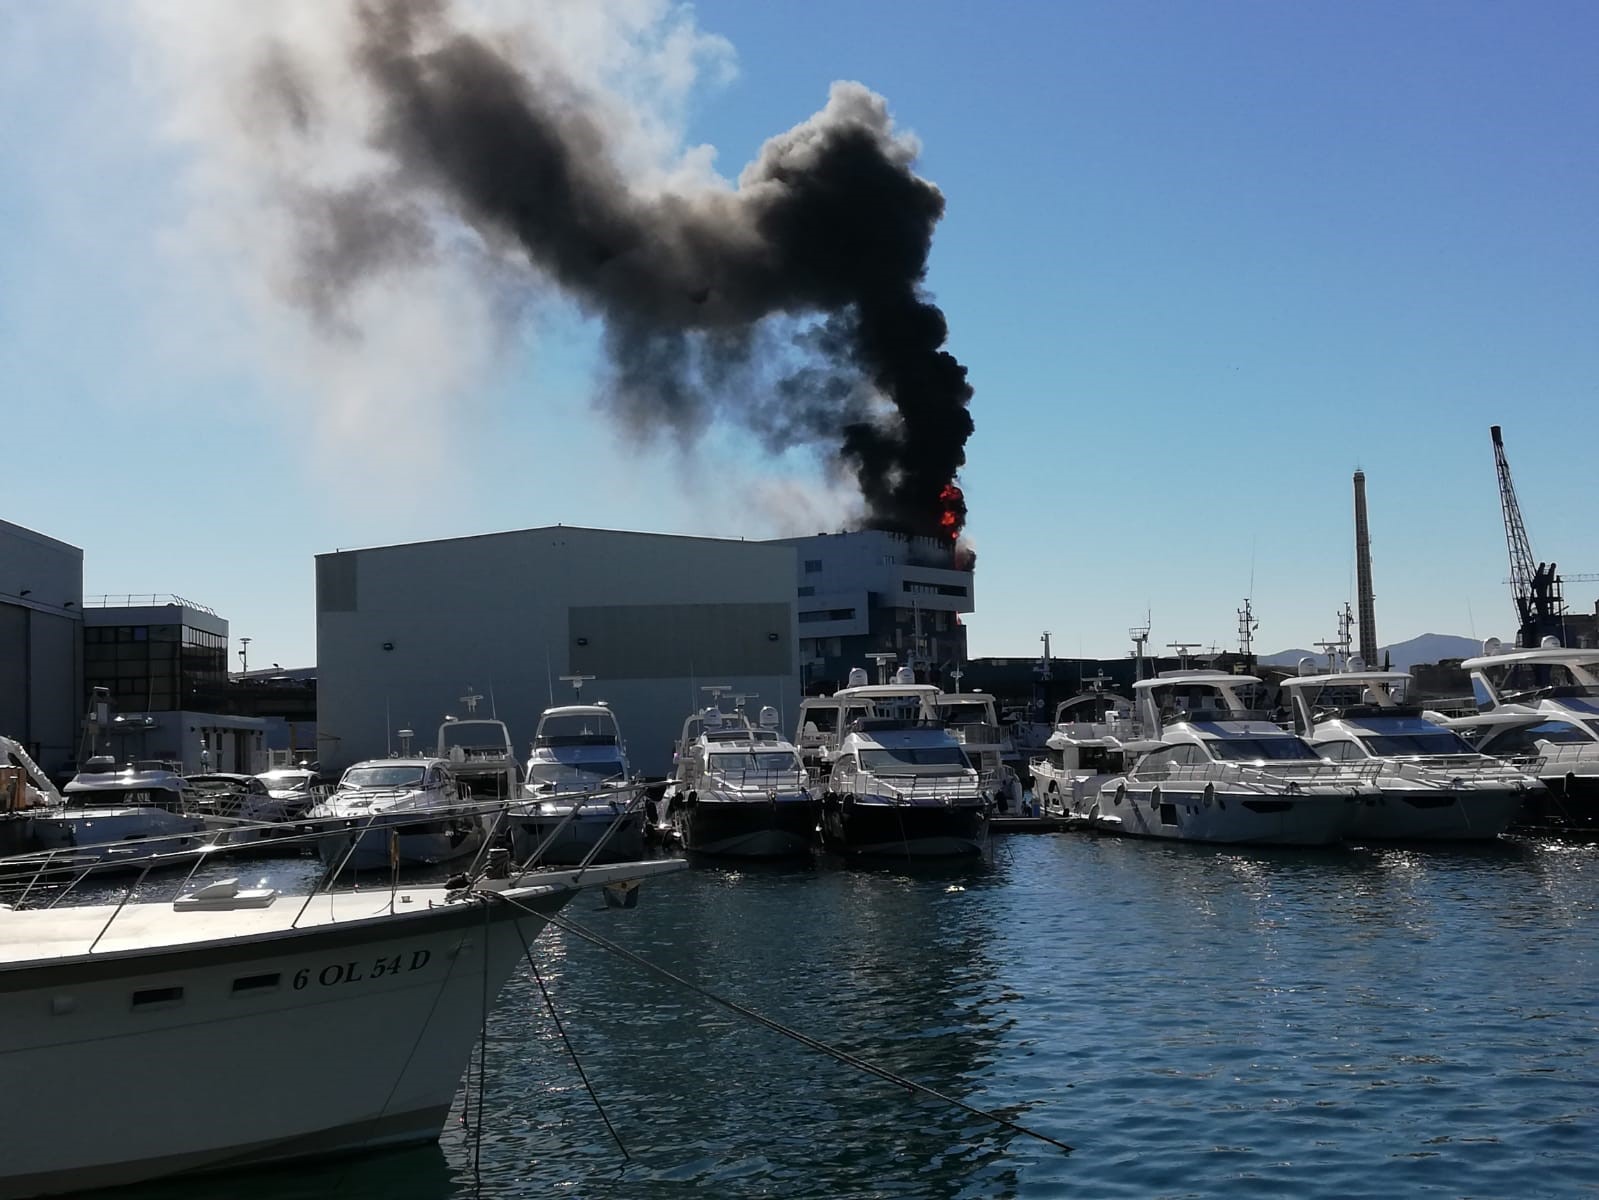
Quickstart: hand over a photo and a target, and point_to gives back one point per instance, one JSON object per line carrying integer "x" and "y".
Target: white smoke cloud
{"x": 265, "y": 100}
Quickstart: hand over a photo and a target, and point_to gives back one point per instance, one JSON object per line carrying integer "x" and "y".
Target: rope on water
{"x": 804, "y": 1039}
{"x": 549, "y": 1003}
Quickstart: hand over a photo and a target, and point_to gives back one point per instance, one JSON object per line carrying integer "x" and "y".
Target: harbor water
{"x": 1194, "y": 1021}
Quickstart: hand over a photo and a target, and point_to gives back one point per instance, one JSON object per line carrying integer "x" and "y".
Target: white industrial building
{"x": 871, "y": 591}
{"x": 405, "y": 633}
{"x": 41, "y": 668}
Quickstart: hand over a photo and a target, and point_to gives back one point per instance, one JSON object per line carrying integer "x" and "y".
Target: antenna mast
{"x": 1246, "y": 632}
{"x": 1140, "y": 635}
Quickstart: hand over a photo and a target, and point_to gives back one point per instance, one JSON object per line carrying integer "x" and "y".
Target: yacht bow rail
{"x": 753, "y": 779}
{"x": 912, "y": 789}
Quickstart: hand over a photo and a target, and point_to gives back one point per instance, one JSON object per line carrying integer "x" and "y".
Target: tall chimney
{"x": 1368, "y": 617}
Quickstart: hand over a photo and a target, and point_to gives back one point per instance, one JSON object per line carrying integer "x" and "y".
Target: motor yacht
{"x": 1539, "y": 709}
{"x": 970, "y": 716}
{"x": 115, "y": 815}
{"x": 296, "y": 788}
{"x": 387, "y": 813}
{"x": 163, "y": 1034}
{"x": 1095, "y": 739}
{"x": 1226, "y": 773}
{"x": 898, "y": 783}
{"x": 1430, "y": 783}
{"x": 739, "y": 789}
{"x": 580, "y": 800}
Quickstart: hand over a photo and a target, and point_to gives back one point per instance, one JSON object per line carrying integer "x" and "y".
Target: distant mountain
{"x": 1428, "y": 648}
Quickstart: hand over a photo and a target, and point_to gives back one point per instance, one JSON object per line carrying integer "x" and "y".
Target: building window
{"x": 827, "y": 614}
{"x": 807, "y": 591}
{"x": 813, "y": 566}
{"x": 934, "y": 589}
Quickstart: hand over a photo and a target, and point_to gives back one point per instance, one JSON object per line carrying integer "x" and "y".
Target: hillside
{"x": 1428, "y": 648}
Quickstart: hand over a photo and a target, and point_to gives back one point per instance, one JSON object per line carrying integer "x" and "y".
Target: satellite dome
{"x": 857, "y": 677}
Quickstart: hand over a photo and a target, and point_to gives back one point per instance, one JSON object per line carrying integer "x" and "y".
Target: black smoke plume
{"x": 793, "y": 304}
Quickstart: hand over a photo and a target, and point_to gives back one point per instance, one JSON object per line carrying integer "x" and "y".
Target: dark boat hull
{"x": 1567, "y": 807}
{"x": 748, "y": 828}
{"x": 871, "y": 829}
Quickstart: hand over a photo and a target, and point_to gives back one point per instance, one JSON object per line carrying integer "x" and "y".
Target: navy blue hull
{"x": 878, "y": 830}
{"x": 749, "y": 828}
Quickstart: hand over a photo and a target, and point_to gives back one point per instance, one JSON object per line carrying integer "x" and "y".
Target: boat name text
{"x": 357, "y": 972}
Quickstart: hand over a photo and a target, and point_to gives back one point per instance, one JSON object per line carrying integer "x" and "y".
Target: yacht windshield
{"x": 914, "y": 758}
{"x": 584, "y": 774}
{"x": 762, "y": 761}
{"x": 382, "y": 777}
{"x": 1385, "y": 745}
{"x": 1271, "y": 749}
{"x": 964, "y": 714}
{"x": 286, "y": 783}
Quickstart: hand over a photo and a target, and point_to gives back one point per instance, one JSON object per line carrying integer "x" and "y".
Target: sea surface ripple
{"x": 1195, "y": 1022}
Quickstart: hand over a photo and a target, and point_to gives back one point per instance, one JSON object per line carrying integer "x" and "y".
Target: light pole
{"x": 244, "y": 656}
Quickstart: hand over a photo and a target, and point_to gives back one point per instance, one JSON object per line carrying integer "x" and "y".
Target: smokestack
{"x": 1366, "y": 601}
{"x": 792, "y": 303}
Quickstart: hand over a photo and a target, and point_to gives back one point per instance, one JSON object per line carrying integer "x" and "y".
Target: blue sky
{"x": 1201, "y": 260}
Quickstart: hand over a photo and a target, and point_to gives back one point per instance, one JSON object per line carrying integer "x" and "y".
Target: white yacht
{"x": 1226, "y": 773}
{"x": 396, "y": 812}
{"x": 231, "y": 1027}
{"x": 1540, "y": 709}
{"x": 739, "y": 788}
{"x": 114, "y": 816}
{"x": 970, "y": 716}
{"x": 898, "y": 783}
{"x": 1430, "y": 783}
{"x": 296, "y": 787}
{"x": 580, "y": 799}
{"x": 1095, "y": 739}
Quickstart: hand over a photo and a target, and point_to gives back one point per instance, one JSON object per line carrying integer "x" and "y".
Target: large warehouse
{"x": 405, "y": 633}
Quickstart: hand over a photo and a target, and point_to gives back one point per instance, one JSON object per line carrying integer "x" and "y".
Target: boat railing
{"x": 1276, "y": 775}
{"x": 754, "y": 779}
{"x": 1557, "y": 754}
{"x": 909, "y": 789}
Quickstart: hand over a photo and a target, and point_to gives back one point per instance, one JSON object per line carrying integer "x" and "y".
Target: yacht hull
{"x": 1435, "y": 814}
{"x": 408, "y": 840}
{"x": 576, "y": 839}
{"x": 247, "y": 1050}
{"x": 114, "y": 837}
{"x": 748, "y": 828}
{"x": 1567, "y": 807}
{"x": 1227, "y": 817}
{"x": 886, "y": 830}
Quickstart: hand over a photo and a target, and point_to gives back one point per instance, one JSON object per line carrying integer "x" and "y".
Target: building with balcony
{"x": 870, "y": 591}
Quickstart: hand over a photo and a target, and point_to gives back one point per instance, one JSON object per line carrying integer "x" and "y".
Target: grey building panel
{"x": 412, "y": 627}
{"x": 659, "y": 641}
{"x": 14, "y": 671}
{"x": 336, "y": 583}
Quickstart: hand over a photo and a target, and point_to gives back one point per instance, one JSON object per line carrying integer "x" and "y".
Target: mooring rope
{"x": 549, "y": 1003}
{"x": 804, "y": 1039}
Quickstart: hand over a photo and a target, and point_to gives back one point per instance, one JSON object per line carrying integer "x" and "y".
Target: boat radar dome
{"x": 857, "y": 677}
{"x": 1356, "y": 663}
{"x": 1307, "y": 666}
{"x": 1549, "y": 643}
{"x": 712, "y": 717}
{"x": 904, "y": 675}
{"x": 769, "y": 717}
{"x": 1491, "y": 646}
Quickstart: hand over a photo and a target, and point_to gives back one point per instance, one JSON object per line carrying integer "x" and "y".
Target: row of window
{"x": 827, "y": 614}
{"x": 96, "y": 635}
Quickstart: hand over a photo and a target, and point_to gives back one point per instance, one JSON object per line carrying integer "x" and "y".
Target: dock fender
{"x": 690, "y": 800}
{"x": 1210, "y": 794}
{"x": 1121, "y": 792}
{"x": 1154, "y": 796}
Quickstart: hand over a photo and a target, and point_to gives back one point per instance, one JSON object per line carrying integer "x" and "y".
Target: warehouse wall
{"x": 404, "y": 631}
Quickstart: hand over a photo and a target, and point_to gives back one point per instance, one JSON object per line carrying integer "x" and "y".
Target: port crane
{"x": 1535, "y": 586}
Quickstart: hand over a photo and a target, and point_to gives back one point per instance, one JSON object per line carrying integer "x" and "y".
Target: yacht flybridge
{"x": 1540, "y": 709}
{"x": 1223, "y": 772}
{"x": 1095, "y": 739}
{"x": 1430, "y": 783}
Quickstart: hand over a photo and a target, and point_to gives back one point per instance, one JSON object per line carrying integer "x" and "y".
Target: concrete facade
{"x": 41, "y": 640}
{"x": 871, "y": 591}
{"x": 405, "y": 632}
